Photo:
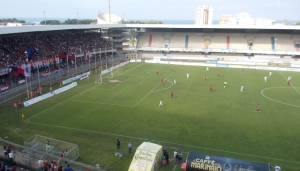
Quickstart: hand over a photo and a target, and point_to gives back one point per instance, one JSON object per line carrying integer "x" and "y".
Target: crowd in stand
{"x": 30, "y": 47}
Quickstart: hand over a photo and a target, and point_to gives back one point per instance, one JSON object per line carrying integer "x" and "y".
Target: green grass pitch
{"x": 222, "y": 122}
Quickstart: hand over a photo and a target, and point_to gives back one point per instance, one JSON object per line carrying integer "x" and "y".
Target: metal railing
{"x": 35, "y": 81}
{"x": 28, "y": 158}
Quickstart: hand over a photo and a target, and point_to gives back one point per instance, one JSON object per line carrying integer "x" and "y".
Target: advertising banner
{"x": 48, "y": 95}
{"x": 204, "y": 162}
{"x": 21, "y": 81}
{"x": 4, "y": 88}
{"x": 4, "y": 71}
{"x": 50, "y": 73}
{"x": 75, "y": 78}
{"x": 135, "y": 60}
{"x": 114, "y": 67}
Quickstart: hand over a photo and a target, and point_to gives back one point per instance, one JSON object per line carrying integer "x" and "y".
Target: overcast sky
{"x": 149, "y": 9}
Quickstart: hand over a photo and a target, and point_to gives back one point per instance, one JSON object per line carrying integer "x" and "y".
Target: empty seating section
{"x": 282, "y": 42}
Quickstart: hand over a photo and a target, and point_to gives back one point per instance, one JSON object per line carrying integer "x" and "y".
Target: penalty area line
{"x": 164, "y": 88}
{"x": 75, "y": 96}
{"x": 151, "y": 91}
{"x": 199, "y": 147}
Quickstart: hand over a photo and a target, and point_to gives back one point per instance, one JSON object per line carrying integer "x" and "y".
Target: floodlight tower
{"x": 109, "y": 11}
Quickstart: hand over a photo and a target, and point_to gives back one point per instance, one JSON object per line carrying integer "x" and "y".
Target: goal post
{"x": 52, "y": 146}
{"x": 98, "y": 78}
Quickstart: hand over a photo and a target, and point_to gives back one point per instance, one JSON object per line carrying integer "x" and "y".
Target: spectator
{"x": 277, "y": 168}
{"x": 60, "y": 168}
{"x": 68, "y": 168}
{"x": 41, "y": 164}
{"x": 2, "y": 167}
{"x": 118, "y": 143}
{"x": 41, "y": 46}
{"x": 129, "y": 147}
{"x": 11, "y": 156}
{"x": 5, "y": 151}
{"x": 45, "y": 165}
{"x": 166, "y": 155}
{"x": 52, "y": 165}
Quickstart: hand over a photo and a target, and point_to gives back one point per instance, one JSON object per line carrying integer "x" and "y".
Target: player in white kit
{"x": 160, "y": 103}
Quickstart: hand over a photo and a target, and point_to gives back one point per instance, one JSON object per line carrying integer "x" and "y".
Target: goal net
{"x": 53, "y": 146}
{"x": 98, "y": 79}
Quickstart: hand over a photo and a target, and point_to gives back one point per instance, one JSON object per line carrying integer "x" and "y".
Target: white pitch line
{"x": 290, "y": 83}
{"x": 151, "y": 70}
{"x": 164, "y": 88}
{"x": 150, "y": 91}
{"x": 75, "y": 96}
{"x": 262, "y": 93}
{"x": 100, "y": 103}
{"x": 175, "y": 166}
{"x": 199, "y": 147}
{"x": 115, "y": 85}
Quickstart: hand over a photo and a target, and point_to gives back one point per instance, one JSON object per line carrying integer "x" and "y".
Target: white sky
{"x": 149, "y": 9}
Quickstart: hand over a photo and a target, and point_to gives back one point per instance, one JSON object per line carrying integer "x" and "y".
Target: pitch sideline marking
{"x": 290, "y": 83}
{"x": 175, "y": 166}
{"x": 150, "y": 92}
{"x": 126, "y": 136}
{"x": 75, "y": 96}
{"x": 164, "y": 88}
{"x": 276, "y": 100}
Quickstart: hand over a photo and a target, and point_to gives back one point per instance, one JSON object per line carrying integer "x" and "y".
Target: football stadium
{"x": 76, "y": 94}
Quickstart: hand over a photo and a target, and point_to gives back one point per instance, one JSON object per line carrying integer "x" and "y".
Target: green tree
{"x": 75, "y": 21}
{"x": 146, "y": 22}
{"x": 50, "y": 22}
{"x": 132, "y": 41}
{"x": 11, "y": 20}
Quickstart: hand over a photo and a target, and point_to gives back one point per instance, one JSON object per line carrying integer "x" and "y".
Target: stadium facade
{"x": 166, "y": 39}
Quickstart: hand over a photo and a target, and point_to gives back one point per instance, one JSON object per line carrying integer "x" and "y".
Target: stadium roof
{"x": 279, "y": 29}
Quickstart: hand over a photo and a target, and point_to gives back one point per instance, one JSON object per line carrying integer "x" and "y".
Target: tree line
{"x": 68, "y": 21}
{"x": 144, "y": 22}
{"x": 50, "y": 22}
{"x": 11, "y": 20}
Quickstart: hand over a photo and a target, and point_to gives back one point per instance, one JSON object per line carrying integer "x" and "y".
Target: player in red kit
{"x": 257, "y": 108}
{"x": 172, "y": 94}
{"x": 210, "y": 88}
{"x": 171, "y": 69}
{"x": 156, "y": 72}
{"x": 40, "y": 90}
{"x": 20, "y": 103}
{"x": 218, "y": 74}
{"x": 162, "y": 81}
{"x": 242, "y": 70}
{"x": 205, "y": 77}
